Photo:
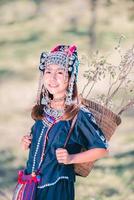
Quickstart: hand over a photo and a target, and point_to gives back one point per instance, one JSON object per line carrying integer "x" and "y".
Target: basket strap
{"x": 70, "y": 131}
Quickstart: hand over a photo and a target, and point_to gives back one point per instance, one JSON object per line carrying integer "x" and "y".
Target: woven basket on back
{"x": 107, "y": 121}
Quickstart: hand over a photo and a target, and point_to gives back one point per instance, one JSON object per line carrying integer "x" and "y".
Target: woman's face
{"x": 56, "y": 80}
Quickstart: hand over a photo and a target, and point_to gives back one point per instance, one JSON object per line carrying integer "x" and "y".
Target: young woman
{"x": 57, "y": 104}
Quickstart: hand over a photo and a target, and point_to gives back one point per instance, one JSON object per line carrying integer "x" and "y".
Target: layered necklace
{"x": 52, "y": 114}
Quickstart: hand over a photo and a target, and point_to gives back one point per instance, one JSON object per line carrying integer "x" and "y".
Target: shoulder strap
{"x": 70, "y": 131}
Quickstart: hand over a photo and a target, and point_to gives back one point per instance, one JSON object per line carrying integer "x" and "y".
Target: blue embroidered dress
{"x": 57, "y": 180}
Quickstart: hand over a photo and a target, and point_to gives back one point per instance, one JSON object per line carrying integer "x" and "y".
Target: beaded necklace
{"x": 53, "y": 113}
{"x": 53, "y": 121}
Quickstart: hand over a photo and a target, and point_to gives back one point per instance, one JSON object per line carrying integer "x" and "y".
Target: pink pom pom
{"x": 55, "y": 49}
{"x": 71, "y": 49}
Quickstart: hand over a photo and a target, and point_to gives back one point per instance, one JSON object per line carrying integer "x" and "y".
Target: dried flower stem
{"x": 120, "y": 76}
{"x": 130, "y": 104}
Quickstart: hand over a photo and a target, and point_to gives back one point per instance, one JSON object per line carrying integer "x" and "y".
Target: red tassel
{"x": 31, "y": 179}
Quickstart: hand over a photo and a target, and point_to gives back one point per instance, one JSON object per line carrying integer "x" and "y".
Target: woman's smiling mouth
{"x": 53, "y": 86}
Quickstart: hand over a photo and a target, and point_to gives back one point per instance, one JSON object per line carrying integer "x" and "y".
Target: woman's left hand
{"x": 63, "y": 156}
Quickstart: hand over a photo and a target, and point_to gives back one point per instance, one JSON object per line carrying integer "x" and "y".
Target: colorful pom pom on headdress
{"x": 62, "y": 55}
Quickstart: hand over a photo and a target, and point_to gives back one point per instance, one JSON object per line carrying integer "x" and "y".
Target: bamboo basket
{"x": 107, "y": 121}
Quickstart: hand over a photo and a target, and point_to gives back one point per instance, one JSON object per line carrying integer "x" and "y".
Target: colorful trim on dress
{"x": 46, "y": 122}
{"x": 50, "y": 184}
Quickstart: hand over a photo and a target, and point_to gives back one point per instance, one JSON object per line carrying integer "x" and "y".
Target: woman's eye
{"x": 48, "y": 72}
{"x": 60, "y": 72}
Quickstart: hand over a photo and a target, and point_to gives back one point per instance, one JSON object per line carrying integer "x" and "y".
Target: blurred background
{"x": 27, "y": 27}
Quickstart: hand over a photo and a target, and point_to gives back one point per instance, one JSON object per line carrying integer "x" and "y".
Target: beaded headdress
{"x": 66, "y": 57}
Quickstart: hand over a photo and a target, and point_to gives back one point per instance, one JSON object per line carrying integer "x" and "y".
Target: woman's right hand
{"x": 26, "y": 141}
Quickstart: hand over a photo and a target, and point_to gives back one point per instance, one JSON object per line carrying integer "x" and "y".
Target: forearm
{"x": 88, "y": 156}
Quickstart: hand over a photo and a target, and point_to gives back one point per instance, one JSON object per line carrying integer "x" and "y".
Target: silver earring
{"x": 68, "y": 98}
{"x": 69, "y": 94}
{"x": 45, "y": 98}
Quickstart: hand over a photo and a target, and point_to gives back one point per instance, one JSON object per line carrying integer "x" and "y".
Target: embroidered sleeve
{"x": 89, "y": 134}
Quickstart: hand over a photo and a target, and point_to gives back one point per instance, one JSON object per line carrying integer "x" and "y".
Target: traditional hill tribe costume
{"x": 57, "y": 180}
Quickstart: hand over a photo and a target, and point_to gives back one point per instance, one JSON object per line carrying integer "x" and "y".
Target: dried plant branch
{"x": 127, "y": 106}
{"x": 119, "y": 86}
{"x": 95, "y": 75}
{"x": 119, "y": 76}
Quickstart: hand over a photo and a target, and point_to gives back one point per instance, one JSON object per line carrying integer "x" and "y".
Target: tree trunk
{"x": 92, "y": 28}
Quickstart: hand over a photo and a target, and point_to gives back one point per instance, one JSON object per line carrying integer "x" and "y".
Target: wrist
{"x": 71, "y": 159}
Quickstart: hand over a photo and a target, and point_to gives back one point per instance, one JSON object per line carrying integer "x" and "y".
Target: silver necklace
{"x": 52, "y": 112}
